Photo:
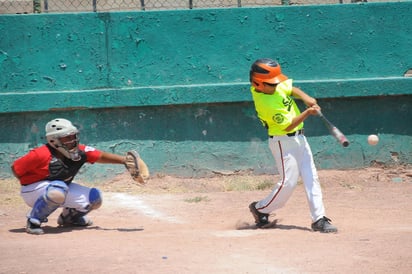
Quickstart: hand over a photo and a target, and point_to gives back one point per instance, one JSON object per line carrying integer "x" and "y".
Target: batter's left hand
{"x": 314, "y": 109}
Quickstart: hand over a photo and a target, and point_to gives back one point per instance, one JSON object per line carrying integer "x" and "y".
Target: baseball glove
{"x": 136, "y": 167}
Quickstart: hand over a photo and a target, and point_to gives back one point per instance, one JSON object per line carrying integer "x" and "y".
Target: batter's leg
{"x": 284, "y": 152}
{"x": 311, "y": 182}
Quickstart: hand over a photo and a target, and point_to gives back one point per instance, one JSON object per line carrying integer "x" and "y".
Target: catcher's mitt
{"x": 137, "y": 167}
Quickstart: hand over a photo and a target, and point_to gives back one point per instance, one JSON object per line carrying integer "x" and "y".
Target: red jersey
{"x": 42, "y": 164}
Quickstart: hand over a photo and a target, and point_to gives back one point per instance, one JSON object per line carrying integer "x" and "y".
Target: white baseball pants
{"x": 77, "y": 197}
{"x": 293, "y": 158}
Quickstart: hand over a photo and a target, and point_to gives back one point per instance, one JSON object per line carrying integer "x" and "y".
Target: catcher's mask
{"x": 63, "y": 136}
{"x": 266, "y": 71}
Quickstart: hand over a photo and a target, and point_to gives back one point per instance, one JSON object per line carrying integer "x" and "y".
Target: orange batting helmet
{"x": 266, "y": 71}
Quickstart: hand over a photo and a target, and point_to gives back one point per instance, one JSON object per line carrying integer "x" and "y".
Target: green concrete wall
{"x": 174, "y": 84}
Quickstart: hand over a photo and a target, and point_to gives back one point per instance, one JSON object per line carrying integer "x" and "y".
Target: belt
{"x": 291, "y": 134}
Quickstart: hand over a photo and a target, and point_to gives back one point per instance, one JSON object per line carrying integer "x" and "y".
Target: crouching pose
{"x": 46, "y": 176}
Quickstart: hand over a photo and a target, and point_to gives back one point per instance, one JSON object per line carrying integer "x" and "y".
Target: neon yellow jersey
{"x": 277, "y": 110}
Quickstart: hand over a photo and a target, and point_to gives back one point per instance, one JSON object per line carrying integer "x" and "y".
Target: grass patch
{"x": 266, "y": 184}
{"x": 10, "y": 192}
{"x": 247, "y": 183}
{"x": 197, "y": 199}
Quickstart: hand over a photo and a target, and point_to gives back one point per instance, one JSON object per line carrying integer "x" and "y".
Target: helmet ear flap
{"x": 255, "y": 84}
{"x": 252, "y": 80}
{"x": 54, "y": 142}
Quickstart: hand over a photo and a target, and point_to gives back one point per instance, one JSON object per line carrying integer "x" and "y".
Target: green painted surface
{"x": 195, "y": 94}
{"x": 174, "y": 84}
{"x": 167, "y": 57}
{"x": 204, "y": 139}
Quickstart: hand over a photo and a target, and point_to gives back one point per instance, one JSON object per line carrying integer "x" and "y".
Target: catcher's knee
{"x": 95, "y": 199}
{"x": 56, "y": 192}
{"x": 53, "y": 197}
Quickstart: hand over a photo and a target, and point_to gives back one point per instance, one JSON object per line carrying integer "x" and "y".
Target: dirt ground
{"x": 176, "y": 225}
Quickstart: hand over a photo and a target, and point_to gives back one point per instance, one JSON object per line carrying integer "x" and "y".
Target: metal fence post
{"x": 36, "y": 6}
{"x": 94, "y": 5}
{"x": 142, "y": 4}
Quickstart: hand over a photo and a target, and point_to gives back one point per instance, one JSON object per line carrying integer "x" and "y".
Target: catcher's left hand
{"x": 137, "y": 167}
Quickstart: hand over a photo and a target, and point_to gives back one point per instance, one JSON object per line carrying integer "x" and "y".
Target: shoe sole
{"x": 325, "y": 231}
{"x": 61, "y": 222}
{"x": 267, "y": 225}
{"x": 75, "y": 224}
{"x": 36, "y": 231}
{"x": 89, "y": 223}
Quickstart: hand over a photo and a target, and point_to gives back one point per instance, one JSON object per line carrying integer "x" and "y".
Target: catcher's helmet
{"x": 266, "y": 71}
{"x": 59, "y": 128}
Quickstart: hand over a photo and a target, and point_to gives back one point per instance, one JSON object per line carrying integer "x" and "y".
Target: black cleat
{"x": 34, "y": 227}
{"x": 261, "y": 219}
{"x": 69, "y": 221}
{"x": 324, "y": 225}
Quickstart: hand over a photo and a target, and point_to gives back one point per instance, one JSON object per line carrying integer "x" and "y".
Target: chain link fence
{"x": 54, "y": 6}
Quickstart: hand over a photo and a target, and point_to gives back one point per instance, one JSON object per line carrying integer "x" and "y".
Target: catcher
{"x": 46, "y": 176}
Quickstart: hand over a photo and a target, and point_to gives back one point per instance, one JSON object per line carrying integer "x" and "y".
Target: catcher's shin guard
{"x": 54, "y": 196}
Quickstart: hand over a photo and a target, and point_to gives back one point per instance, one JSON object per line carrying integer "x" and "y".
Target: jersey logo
{"x": 287, "y": 102}
{"x": 278, "y": 118}
{"x": 87, "y": 149}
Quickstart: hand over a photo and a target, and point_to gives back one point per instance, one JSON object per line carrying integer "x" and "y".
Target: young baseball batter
{"x": 46, "y": 176}
{"x": 272, "y": 95}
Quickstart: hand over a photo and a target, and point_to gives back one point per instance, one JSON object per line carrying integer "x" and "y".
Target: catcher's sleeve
{"x": 137, "y": 167}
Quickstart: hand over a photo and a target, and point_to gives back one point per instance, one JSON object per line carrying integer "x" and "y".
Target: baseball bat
{"x": 334, "y": 131}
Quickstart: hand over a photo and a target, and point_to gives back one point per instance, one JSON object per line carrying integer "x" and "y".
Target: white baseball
{"x": 373, "y": 139}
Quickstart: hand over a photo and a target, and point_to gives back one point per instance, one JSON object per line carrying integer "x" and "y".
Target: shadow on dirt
{"x": 272, "y": 225}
